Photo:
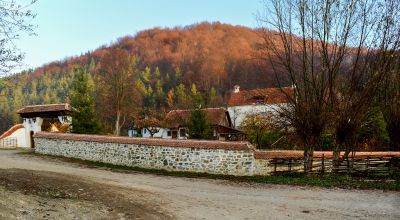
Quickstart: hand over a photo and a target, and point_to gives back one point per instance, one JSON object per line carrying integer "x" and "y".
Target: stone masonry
{"x": 215, "y": 157}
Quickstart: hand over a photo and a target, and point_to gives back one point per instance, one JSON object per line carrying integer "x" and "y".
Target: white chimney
{"x": 236, "y": 89}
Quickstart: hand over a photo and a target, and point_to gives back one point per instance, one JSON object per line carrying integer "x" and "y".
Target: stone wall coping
{"x": 318, "y": 154}
{"x": 203, "y": 144}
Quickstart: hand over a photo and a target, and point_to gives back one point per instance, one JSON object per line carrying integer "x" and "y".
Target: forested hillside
{"x": 171, "y": 69}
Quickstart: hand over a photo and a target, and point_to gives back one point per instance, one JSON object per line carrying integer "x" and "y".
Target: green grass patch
{"x": 327, "y": 180}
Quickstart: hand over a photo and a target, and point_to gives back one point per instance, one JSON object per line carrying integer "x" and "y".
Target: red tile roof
{"x": 268, "y": 96}
{"x": 181, "y": 118}
{"x": 226, "y": 130}
{"x": 245, "y": 146}
{"x": 45, "y": 108}
{"x": 11, "y": 130}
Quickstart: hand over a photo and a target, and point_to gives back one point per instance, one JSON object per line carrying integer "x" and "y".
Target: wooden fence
{"x": 363, "y": 166}
{"x": 8, "y": 143}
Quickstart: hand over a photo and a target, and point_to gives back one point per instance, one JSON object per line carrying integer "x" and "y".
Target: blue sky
{"x": 71, "y": 27}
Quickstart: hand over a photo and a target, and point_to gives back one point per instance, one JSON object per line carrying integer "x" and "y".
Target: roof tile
{"x": 45, "y": 108}
{"x": 270, "y": 96}
{"x": 181, "y": 118}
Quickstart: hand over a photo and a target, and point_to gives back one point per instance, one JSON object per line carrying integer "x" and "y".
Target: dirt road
{"x": 161, "y": 197}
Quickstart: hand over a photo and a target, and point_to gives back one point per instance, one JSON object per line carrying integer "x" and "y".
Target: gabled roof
{"x": 267, "y": 95}
{"x": 181, "y": 118}
{"x": 64, "y": 107}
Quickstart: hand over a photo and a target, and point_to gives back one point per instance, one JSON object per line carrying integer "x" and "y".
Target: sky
{"x": 71, "y": 27}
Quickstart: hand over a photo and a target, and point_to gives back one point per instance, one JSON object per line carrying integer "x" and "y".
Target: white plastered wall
{"x": 19, "y": 134}
{"x": 31, "y": 124}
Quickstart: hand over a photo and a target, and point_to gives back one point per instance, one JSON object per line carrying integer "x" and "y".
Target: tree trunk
{"x": 308, "y": 160}
{"x": 117, "y": 124}
{"x": 309, "y": 155}
{"x": 337, "y": 160}
{"x": 336, "y": 157}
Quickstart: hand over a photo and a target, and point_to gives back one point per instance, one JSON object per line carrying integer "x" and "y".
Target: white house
{"x": 258, "y": 101}
{"x": 36, "y": 118}
{"x": 176, "y": 125}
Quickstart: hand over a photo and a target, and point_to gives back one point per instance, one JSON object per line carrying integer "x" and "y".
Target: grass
{"x": 328, "y": 180}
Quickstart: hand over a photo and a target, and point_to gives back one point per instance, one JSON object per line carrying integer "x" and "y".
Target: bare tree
{"x": 322, "y": 48}
{"x": 152, "y": 120}
{"x": 235, "y": 116}
{"x": 14, "y": 20}
{"x": 117, "y": 95}
{"x": 389, "y": 95}
{"x": 370, "y": 60}
{"x": 389, "y": 99}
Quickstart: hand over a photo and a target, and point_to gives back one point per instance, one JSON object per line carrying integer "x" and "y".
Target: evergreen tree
{"x": 18, "y": 103}
{"x": 160, "y": 96}
{"x": 197, "y": 98}
{"x": 182, "y": 99}
{"x": 212, "y": 99}
{"x": 373, "y": 132}
{"x": 199, "y": 127}
{"x": 84, "y": 120}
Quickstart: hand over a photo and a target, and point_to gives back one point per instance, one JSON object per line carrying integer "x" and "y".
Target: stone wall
{"x": 215, "y": 157}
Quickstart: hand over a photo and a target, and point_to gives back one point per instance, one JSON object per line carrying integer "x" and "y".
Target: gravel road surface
{"x": 163, "y": 197}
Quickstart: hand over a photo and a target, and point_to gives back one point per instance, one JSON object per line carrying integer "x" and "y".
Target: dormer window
{"x": 259, "y": 100}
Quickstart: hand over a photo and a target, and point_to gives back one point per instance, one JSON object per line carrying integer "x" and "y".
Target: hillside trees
{"x": 84, "y": 119}
{"x": 214, "y": 56}
{"x": 329, "y": 51}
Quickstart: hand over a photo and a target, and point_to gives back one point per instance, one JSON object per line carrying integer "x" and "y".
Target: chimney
{"x": 236, "y": 89}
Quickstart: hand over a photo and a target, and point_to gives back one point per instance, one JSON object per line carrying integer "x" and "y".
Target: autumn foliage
{"x": 172, "y": 67}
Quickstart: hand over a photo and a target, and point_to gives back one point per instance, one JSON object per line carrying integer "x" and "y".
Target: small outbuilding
{"x": 41, "y": 118}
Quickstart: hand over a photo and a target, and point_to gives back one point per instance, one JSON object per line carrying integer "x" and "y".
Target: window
{"x": 259, "y": 100}
{"x": 169, "y": 133}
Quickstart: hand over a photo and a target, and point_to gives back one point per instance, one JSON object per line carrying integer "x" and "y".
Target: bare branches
{"x": 335, "y": 54}
{"x": 152, "y": 120}
{"x": 14, "y": 19}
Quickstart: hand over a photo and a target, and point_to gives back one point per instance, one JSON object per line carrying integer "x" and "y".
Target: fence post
{"x": 274, "y": 160}
{"x": 290, "y": 165}
{"x": 367, "y": 165}
{"x": 391, "y": 165}
{"x": 323, "y": 164}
